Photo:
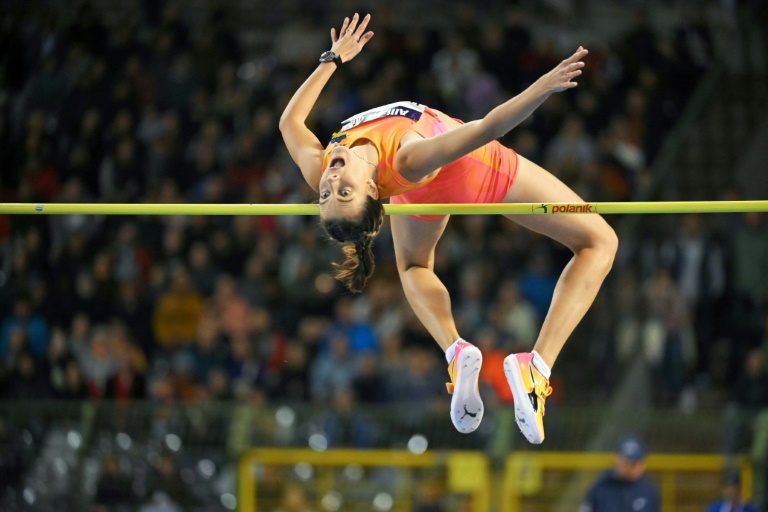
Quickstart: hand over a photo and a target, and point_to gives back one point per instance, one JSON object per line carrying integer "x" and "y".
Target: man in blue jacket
{"x": 731, "y": 501}
{"x": 626, "y": 487}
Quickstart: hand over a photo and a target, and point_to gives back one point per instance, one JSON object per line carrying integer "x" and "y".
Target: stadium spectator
{"x": 98, "y": 360}
{"x": 177, "y": 312}
{"x": 698, "y": 264}
{"x": 490, "y": 342}
{"x": 430, "y": 497}
{"x": 750, "y": 282}
{"x": 332, "y": 371}
{"x": 669, "y": 345}
{"x": 74, "y": 387}
{"x": 367, "y": 384}
{"x": 25, "y": 322}
{"x": 626, "y": 487}
{"x": 166, "y": 485}
{"x": 28, "y": 381}
{"x": 731, "y": 500}
{"x": 359, "y": 333}
{"x": 291, "y": 382}
{"x": 294, "y": 499}
{"x": 113, "y": 488}
{"x": 419, "y": 381}
{"x": 749, "y": 398}
{"x": 344, "y": 426}
{"x": 58, "y": 359}
{"x": 516, "y": 317}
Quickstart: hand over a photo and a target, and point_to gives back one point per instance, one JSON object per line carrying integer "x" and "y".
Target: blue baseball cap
{"x": 631, "y": 449}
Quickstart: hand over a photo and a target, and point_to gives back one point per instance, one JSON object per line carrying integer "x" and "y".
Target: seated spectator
{"x": 332, "y": 371}
{"x": 517, "y": 315}
{"x": 28, "y": 382}
{"x": 167, "y": 482}
{"x": 571, "y": 148}
{"x": 361, "y": 335}
{"x": 391, "y": 358}
{"x": 345, "y": 425}
{"x": 252, "y": 283}
{"x": 492, "y": 371}
{"x": 126, "y": 348}
{"x": 17, "y": 343}
{"x": 203, "y": 272}
{"x": 368, "y": 384}
{"x": 178, "y": 312}
{"x": 134, "y": 308}
{"x": 749, "y": 397}
{"x": 34, "y": 326}
{"x": 291, "y": 382}
{"x": 113, "y": 488}
{"x": 98, "y": 360}
{"x": 208, "y": 350}
{"x": 230, "y": 307}
{"x": 58, "y": 359}
{"x": 244, "y": 370}
{"x": 270, "y": 487}
{"x": 670, "y": 348}
{"x": 75, "y": 387}
{"x": 294, "y": 499}
{"x": 431, "y": 494}
{"x": 731, "y": 500}
{"x": 421, "y": 380}
{"x": 126, "y": 384}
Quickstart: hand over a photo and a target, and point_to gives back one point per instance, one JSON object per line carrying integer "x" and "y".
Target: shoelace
{"x": 543, "y": 393}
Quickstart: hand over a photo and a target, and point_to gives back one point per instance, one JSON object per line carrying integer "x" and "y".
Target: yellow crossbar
{"x": 390, "y": 209}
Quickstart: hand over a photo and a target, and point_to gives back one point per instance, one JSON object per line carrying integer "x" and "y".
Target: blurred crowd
{"x": 203, "y": 308}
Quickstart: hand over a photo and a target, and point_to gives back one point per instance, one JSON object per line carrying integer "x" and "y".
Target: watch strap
{"x": 331, "y": 56}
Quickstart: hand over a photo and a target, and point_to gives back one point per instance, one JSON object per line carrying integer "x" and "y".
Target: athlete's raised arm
{"x": 418, "y": 157}
{"x": 302, "y": 144}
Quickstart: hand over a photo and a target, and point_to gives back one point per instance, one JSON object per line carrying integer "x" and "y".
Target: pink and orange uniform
{"x": 482, "y": 176}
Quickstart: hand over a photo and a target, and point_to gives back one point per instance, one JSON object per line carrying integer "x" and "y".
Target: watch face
{"x": 327, "y": 56}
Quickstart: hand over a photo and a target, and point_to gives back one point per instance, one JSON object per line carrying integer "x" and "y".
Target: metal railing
{"x": 69, "y": 439}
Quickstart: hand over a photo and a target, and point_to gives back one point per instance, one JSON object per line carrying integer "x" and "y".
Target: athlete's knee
{"x": 601, "y": 240}
{"x": 609, "y": 241}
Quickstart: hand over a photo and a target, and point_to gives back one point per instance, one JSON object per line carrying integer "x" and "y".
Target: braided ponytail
{"x": 357, "y": 238}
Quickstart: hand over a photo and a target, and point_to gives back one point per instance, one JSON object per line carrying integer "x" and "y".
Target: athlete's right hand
{"x": 351, "y": 38}
{"x": 559, "y": 79}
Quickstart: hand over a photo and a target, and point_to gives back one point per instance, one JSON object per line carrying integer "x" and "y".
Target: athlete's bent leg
{"x": 415, "y": 242}
{"x": 594, "y": 246}
{"x": 592, "y": 240}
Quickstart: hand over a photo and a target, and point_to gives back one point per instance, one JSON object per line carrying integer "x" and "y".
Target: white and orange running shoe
{"x": 530, "y": 390}
{"x": 466, "y": 406}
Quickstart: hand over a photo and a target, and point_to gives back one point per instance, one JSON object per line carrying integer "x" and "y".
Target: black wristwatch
{"x": 331, "y": 56}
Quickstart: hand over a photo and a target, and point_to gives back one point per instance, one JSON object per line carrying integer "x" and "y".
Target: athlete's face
{"x": 345, "y": 185}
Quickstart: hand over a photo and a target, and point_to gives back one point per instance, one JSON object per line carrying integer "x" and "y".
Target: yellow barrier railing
{"x": 531, "y": 481}
{"x": 524, "y": 475}
{"x": 467, "y": 471}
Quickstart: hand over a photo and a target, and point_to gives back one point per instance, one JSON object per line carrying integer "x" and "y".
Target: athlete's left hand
{"x": 559, "y": 79}
{"x": 351, "y": 38}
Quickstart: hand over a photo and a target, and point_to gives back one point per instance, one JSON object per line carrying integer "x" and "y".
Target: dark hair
{"x": 357, "y": 239}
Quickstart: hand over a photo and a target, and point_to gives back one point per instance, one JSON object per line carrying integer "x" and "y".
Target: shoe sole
{"x": 466, "y": 405}
{"x": 523, "y": 407}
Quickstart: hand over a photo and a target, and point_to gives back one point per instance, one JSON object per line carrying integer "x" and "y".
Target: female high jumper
{"x": 411, "y": 153}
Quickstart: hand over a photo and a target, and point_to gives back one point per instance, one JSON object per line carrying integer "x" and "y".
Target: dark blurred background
{"x": 139, "y": 356}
